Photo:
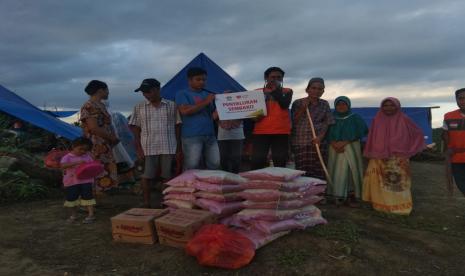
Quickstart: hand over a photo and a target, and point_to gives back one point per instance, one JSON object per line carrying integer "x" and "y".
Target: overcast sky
{"x": 367, "y": 50}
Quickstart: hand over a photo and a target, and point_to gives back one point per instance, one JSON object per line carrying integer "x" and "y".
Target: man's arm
{"x": 178, "y": 138}
{"x": 136, "y": 131}
{"x": 299, "y": 111}
{"x": 186, "y": 109}
{"x": 283, "y": 99}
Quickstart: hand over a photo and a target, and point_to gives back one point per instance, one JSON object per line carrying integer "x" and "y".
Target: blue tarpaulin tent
{"x": 61, "y": 114}
{"x": 217, "y": 79}
{"x": 18, "y": 107}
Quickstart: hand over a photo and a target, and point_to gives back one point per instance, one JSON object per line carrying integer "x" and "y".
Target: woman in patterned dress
{"x": 96, "y": 125}
{"x": 393, "y": 138}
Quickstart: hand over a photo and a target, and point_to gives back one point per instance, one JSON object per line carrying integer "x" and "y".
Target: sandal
{"x": 88, "y": 220}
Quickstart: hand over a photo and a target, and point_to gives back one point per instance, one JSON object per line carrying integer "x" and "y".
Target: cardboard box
{"x": 179, "y": 226}
{"x": 136, "y": 225}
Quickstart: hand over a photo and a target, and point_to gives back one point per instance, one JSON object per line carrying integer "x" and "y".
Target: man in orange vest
{"x": 454, "y": 138}
{"x": 272, "y": 131}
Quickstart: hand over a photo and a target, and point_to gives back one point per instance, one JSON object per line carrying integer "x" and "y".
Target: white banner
{"x": 240, "y": 105}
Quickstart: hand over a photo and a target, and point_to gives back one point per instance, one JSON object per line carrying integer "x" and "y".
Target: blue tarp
{"x": 61, "y": 114}
{"x": 420, "y": 115}
{"x": 217, "y": 79}
{"x": 18, "y": 107}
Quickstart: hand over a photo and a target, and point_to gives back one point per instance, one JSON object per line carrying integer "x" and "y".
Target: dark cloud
{"x": 51, "y": 49}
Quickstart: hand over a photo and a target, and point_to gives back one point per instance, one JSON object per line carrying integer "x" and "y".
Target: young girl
{"x": 345, "y": 164}
{"x": 392, "y": 140}
{"x": 78, "y": 191}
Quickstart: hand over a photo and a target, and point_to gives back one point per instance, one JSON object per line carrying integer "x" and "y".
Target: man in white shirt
{"x": 156, "y": 125}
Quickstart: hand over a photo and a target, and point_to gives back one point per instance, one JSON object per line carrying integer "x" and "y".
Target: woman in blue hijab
{"x": 345, "y": 163}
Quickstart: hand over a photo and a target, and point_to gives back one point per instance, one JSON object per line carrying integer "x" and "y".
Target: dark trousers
{"x": 261, "y": 144}
{"x": 458, "y": 171}
{"x": 230, "y": 155}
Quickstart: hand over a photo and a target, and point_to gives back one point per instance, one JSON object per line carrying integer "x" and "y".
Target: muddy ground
{"x": 35, "y": 240}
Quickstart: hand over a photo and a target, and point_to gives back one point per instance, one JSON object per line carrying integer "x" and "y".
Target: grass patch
{"x": 343, "y": 230}
{"x": 293, "y": 258}
{"x": 437, "y": 226}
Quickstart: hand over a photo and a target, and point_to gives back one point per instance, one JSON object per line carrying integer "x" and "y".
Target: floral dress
{"x": 101, "y": 149}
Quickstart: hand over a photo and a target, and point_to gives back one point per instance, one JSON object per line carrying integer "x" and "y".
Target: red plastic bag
{"x": 53, "y": 158}
{"x": 217, "y": 245}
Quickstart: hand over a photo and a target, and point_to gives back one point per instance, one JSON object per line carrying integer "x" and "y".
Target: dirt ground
{"x": 35, "y": 240}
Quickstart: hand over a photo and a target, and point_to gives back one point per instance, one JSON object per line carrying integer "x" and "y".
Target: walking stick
{"x": 317, "y": 146}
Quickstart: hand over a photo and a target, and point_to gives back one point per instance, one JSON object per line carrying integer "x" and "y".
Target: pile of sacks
{"x": 212, "y": 190}
{"x": 277, "y": 200}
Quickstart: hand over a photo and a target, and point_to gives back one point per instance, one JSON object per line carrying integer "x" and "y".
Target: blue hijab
{"x": 349, "y": 126}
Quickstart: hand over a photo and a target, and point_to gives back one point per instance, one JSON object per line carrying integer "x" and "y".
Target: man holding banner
{"x": 196, "y": 107}
{"x": 272, "y": 131}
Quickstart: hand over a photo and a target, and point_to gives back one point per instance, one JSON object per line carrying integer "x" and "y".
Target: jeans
{"x": 198, "y": 148}
{"x": 279, "y": 144}
{"x": 230, "y": 155}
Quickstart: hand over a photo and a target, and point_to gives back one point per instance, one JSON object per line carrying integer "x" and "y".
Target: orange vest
{"x": 455, "y": 122}
{"x": 277, "y": 120}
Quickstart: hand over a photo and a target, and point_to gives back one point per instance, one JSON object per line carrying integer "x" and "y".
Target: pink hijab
{"x": 395, "y": 135}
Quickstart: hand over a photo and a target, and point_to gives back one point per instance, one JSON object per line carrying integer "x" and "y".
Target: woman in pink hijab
{"x": 393, "y": 138}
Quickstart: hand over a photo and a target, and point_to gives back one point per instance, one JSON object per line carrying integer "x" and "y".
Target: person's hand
{"x": 225, "y": 124}
{"x": 316, "y": 140}
{"x": 235, "y": 124}
{"x": 178, "y": 153}
{"x": 304, "y": 106}
{"x": 140, "y": 154}
{"x": 274, "y": 85}
{"x": 258, "y": 118}
{"x": 334, "y": 145}
{"x": 210, "y": 98}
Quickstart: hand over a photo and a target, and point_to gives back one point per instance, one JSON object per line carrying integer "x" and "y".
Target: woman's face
{"x": 315, "y": 90}
{"x": 342, "y": 107}
{"x": 389, "y": 108}
{"x": 103, "y": 93}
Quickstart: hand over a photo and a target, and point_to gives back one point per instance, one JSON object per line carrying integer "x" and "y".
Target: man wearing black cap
{"x": 155, "y": 123}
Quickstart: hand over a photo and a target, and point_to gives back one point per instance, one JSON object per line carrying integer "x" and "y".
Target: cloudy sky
{"x": 367, "y": 50}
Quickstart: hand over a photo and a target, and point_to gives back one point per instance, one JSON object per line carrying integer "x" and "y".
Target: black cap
{"x": 148, "y": 84}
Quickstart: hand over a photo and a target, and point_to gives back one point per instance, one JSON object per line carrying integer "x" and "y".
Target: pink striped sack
{"x": 228, "y": 197}
{"x": 219, "y": 208}
{"x": 282, "y": 204}
{"x": 273, "y": 173}
{"x": 219, "y": 177}
{"x": 186, "y": 179}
